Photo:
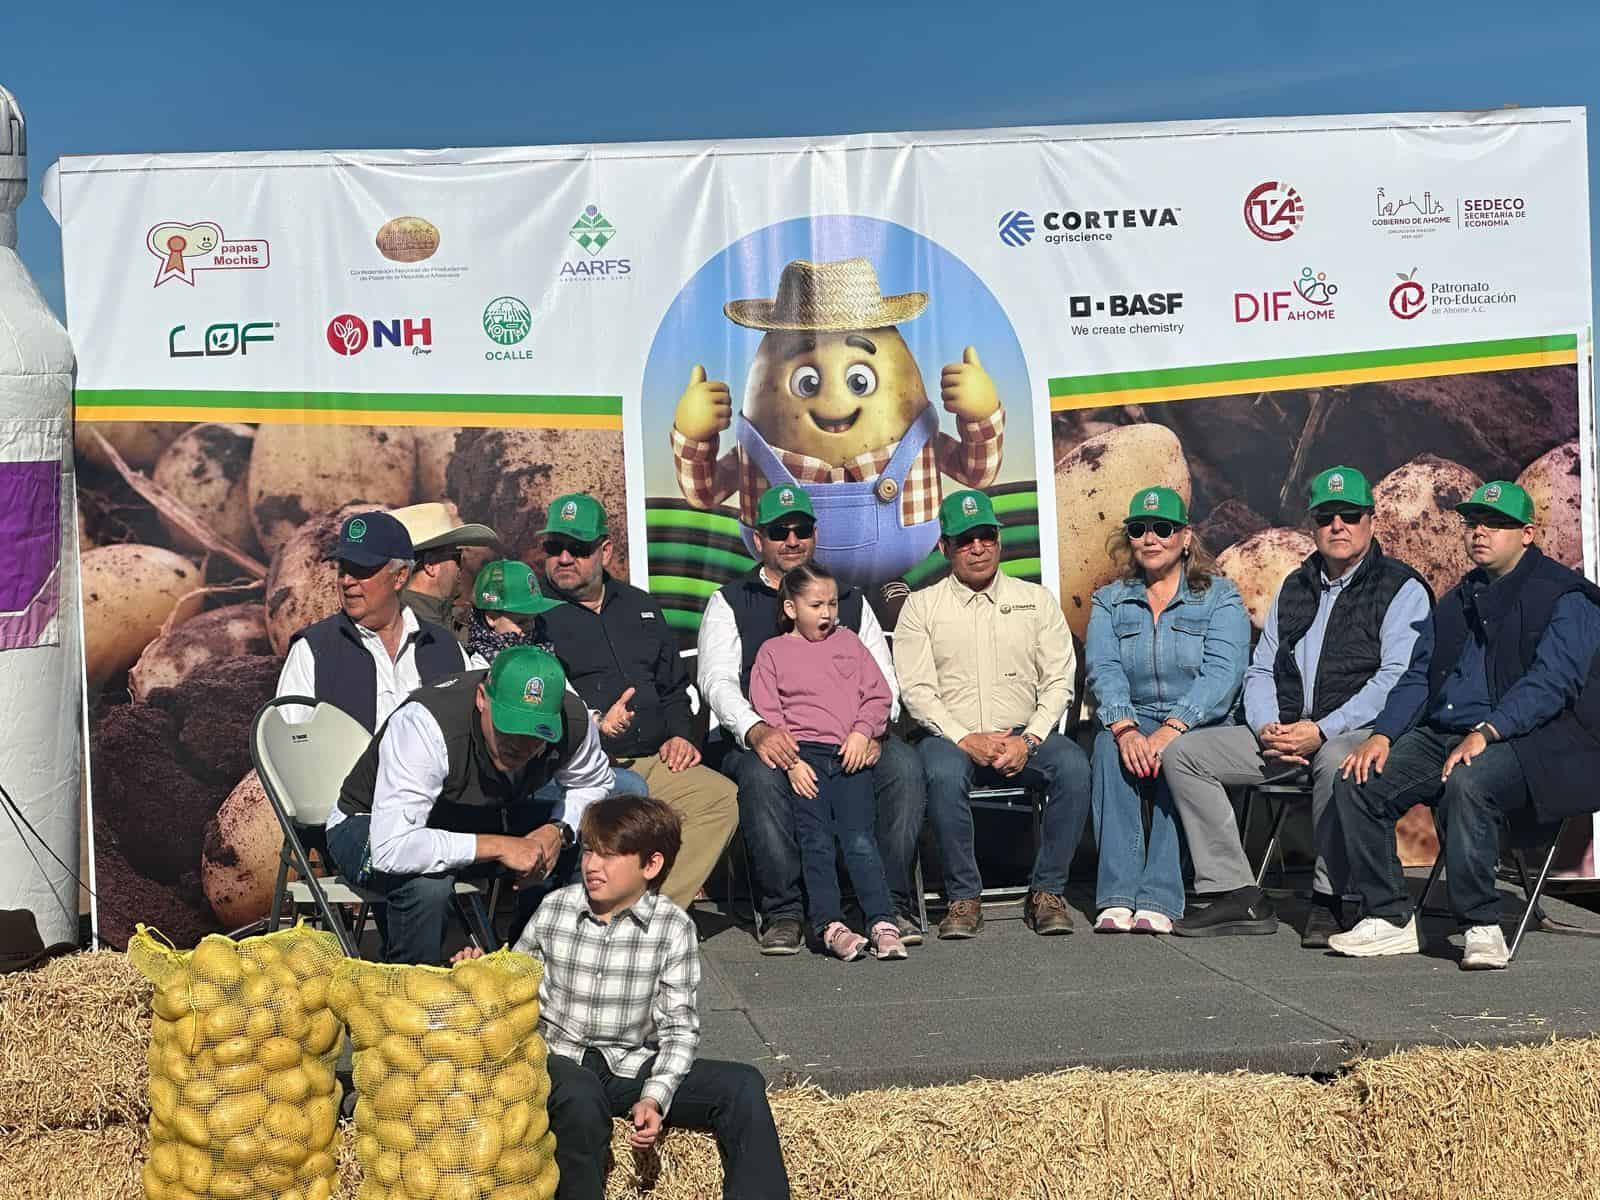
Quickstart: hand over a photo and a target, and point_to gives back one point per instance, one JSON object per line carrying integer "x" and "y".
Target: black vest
{"x": 755, "y": 612}
{"x": 1560, "y": 759}
{"x": 347, "y": 678}
{"x": 1352, "y": 647}
{"x": 475, "y": 792}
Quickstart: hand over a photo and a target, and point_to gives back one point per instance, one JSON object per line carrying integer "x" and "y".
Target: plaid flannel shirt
{"x": 625, "y": 987}
{"x": 973, "y": 459}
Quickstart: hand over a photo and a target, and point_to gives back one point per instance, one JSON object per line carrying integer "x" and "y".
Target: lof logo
{"x": 1016, "y": 228}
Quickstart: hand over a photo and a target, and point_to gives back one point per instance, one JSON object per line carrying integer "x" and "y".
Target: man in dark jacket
{"x": 1337, "y": 637}
{"x": 1498, "y": 714}
{"x": 622, "y": 659}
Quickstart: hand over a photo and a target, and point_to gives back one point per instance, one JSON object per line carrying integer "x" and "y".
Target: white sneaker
{"x": 1373, "y": 937}
{"x": 1486, "y": 949}
{"x": 1114, "y": 920}
{"x": 1148, "y": 921}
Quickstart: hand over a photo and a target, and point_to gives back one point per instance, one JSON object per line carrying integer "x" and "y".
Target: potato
{"x": 1416, "y": 520}
{"x": 302, "y": 586}
{"x": 1554, "y": 482}
{"x": 129, "y": 590}
{"x": 139, "y": 442}
{"x": 1094, "y": 484}
{"x": 1259, "y": 565}
{"x": 210, "y": 638}
{"x": 208, "y": 470}
{"x": 436, "y": 445}
{"x": 239, "y": 864}
{"x": 299, "y": 470}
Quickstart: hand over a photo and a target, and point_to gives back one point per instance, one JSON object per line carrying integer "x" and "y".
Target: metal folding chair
{"x": 1278, "y": 793}
{"x": 301, "y": 767}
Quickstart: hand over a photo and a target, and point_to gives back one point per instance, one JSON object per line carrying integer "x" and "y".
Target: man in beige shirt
{"x": 985, "y": 663}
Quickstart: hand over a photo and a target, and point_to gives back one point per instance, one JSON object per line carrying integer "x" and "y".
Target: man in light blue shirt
{"x": 1337, "y": 638}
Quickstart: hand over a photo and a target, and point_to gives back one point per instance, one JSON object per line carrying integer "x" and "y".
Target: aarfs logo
{"x": 594, "y": 233}
{"x": 182, "y": 250}
{"x": 1273, "y": 211}
{"x": 349, "y": 334}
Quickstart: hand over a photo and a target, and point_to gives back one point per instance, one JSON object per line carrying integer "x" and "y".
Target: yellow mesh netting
{"x": 243, "y": 1100}
{"x": 451, "y": 1078}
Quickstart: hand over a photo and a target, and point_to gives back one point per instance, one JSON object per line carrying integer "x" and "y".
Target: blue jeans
{"x": 1059, "y": 767}
{"x": 767, "y": 824}
{"x": 416, "y": 907}
{"x": 1133, "y": 874}
{"x": 1471, "y": 809}
{"x": 842, "y": 812}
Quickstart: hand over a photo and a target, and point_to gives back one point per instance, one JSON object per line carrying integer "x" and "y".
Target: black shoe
{"x": 783, "y": 936}
{"x": 1244, "y": 910}
{"x": 1322, "y": 922}
{"x": 910, "y": 931}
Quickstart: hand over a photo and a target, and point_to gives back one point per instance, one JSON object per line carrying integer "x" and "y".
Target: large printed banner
{"x": 1056, "y": 315}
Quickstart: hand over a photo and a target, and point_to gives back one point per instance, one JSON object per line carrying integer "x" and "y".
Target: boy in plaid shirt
{"x": 618, "y": 1012}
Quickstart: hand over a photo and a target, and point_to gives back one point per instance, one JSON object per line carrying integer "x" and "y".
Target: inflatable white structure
{"x": 41, "y": 669}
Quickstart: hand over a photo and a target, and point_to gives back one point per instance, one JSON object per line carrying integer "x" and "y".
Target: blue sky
{"x": 102, "y": 77}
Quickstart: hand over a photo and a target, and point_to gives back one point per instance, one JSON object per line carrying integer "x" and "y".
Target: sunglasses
{"x": 359, "y": 570}
{"x": 1350, "y": 516}
{"x": 554, "y": 547}
{"x": 988, "y": 535}
{"x": 1162, "y": 529}
{"x": 1488, "y": 521}
{"x": 779, "y": 531}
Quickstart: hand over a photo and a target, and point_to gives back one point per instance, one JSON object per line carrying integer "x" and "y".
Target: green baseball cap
{"x": 1157, "y": 504}
{"x": 507, "y": 585}
{"x": 525, "y": 687}
{"x": 1499, "y": 496}
{"x": 576, "y": 515}
{"x": 965, "y": 510}
{"x": 784, "y": 500}
{"x": 1340, "y": 485}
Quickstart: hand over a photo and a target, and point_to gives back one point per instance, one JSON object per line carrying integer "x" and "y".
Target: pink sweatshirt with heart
{"x": 820, "y": 691}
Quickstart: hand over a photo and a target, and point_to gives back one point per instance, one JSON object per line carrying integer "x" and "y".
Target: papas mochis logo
{"x": 183, "y": 250}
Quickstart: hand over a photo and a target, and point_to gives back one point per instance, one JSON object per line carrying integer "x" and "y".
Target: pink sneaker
{"x": 1146, "y": 921}
{"x": 843, "y": 943}
{"x": 886, "y": 941}
{"x": 1115, "y": 919}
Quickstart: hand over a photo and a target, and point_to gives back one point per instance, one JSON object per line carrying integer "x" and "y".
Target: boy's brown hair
{"x": 639, "y": 825}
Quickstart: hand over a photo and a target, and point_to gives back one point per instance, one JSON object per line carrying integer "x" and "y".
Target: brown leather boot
{"x": 1047, "y": 914}
{"x": 963, "y": 920}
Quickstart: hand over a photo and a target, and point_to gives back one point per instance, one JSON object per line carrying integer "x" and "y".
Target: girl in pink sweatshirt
{"x": 816, "y": 680}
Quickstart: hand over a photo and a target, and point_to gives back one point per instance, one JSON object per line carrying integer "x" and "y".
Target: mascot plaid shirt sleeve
{"x": 973, "y": 460}
{"x": 625, "y": 987}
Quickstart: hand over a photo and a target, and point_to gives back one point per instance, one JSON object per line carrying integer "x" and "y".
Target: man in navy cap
{"x": 368, "y": 657}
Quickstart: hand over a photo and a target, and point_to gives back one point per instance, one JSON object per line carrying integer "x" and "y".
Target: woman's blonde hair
{"x": 1198, "y": 566}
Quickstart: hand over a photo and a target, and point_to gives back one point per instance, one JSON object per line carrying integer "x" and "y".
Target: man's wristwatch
{"x": 1490, "y": 734}
{"x": 1033, "y": 744}
{"x": 569, "y": 835}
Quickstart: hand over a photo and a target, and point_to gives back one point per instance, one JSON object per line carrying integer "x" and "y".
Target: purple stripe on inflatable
{"x": 30, "y": 549}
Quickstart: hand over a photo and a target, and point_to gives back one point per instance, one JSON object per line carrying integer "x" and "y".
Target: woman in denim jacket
{"x": 1167, "y": 648}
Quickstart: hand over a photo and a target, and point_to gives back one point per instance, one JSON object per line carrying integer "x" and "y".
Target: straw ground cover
{"x": 1517, "y": 1121}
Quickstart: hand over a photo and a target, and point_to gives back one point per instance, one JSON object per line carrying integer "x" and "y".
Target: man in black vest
{"x": 1497, "y": 718}
{"x": 368, "y": 657}
{"x": 738, "y": 619}
{"x": 450, "y": 781}
{"x": 1337, "y": 638}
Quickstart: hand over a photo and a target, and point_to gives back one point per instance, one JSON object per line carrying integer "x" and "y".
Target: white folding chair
{"x": 302, "y": 767}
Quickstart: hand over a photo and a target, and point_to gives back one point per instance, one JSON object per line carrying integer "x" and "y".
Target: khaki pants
{"x": 708, "y": 805}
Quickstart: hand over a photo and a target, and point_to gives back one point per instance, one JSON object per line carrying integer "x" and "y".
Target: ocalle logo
{"x": 223, "y": 339}
{"x": 1016, "y": 227}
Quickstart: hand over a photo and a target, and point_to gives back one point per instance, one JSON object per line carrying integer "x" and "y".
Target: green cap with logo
{"x": 965, "y": 510}
{"x": 1340, "y": 485}
{"x": 1157, "y": 504}
{"x": 507, "y": 585}
{"x": 525, "y": 687}
{"x": 1499, "y": 496}
{"x": 785, "y": 500}
{"x": 576, "y": 515}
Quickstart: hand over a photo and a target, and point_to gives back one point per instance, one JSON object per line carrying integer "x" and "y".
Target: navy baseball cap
{"x": 371, "y": 539}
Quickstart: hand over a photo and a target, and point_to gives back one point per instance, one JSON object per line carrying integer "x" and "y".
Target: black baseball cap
{"x": 371, "y": 539}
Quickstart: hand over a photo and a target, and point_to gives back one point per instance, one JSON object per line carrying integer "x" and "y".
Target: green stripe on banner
{"x": 678, "y": 554}
{"x": 1118, "y": 381}
{"x": 1014, "y": 502}
{"x": 682, "y": 585}
{"x": 602, "y": 406}
{"x": 678, "y": 518}
{"x": 683, "y": 622}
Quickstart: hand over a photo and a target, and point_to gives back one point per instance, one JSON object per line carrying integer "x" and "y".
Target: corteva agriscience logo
{"x": 1411, "y": 214}
{"x": 182, "y": 250}
{"x": 1067, "y": 226}
{"x": 506, "y": 322}
{"x": 1273, "y": 211}
{"x": 1310, "y": 298}
{"x": 1412, "y": 297}
{"x": 593, "y": 233}
{"x": 349, "y": 335}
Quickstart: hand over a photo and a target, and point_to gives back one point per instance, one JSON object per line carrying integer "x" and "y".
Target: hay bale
{"x": 72, "y": 1052}
{"x": 73, "y": 1164}
{"x": 1473, "y": 1122}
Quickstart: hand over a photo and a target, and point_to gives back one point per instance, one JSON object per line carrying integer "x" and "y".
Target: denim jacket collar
{"x": 1132, "y": 591}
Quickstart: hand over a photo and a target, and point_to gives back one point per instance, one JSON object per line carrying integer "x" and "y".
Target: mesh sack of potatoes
{"x": 243, "y": 1100}
{"x": 451, "y": 1079}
